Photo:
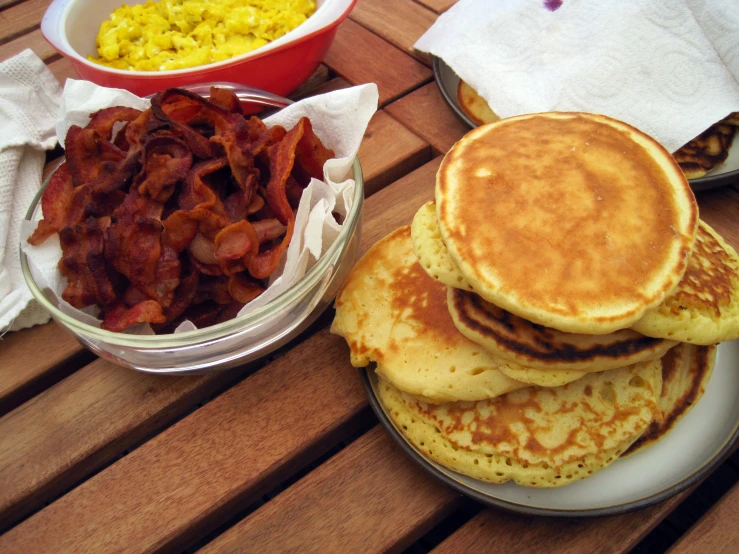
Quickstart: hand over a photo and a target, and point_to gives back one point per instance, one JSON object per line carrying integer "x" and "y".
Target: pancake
{"x": 537, "y": 437}
{"x": 392, "y": 313}
{"x": 704, "y": 308}
{"x": 573, "y": 221}
{"x": 708, "y": 150}
{"x": 686, "y": 370}
{"x": 542, "y": 377}
{"x": 543, "y": 348}
{"x": 431, "y": 251}
{"x": 474, "y": 105}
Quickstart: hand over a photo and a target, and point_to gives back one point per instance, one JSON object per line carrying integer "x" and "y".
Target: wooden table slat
{"x": 30, "y": 356}
{"x": 717, "y": 532}
{"x": 438, "y": 6}
{"x": 81, "y": 423}
{"x": 63, "y": 70}
{"x": 33, "y": 40}
{"x": 389, "y": 151}
{"x": 425, "y": 112}
{"x": 400, "y": 22}
{"x": 175, "y": 487}
{"x": 360, "y": 56}
{"x": 21, "y": 18}
{"x": 370, "y": 497}
{"x": 496, "y": 531}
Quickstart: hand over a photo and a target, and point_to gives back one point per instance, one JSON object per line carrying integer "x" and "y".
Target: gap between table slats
{"x": 370, "y": 497}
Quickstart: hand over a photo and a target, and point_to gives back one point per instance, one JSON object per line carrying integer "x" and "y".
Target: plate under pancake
{"x": 534, "y": 346}
{"x": 704, "y": 308}
{"x": 392, "y": 313}
{"x": 645, "y": 478}
{"x": 573, "y": 221}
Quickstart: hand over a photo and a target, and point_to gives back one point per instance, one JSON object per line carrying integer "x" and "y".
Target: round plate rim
{"x": 701, "y": 183}
{"x": 637, "y": 504}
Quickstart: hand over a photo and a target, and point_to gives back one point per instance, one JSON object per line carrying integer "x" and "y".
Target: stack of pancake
{"x": 556, "y": 307}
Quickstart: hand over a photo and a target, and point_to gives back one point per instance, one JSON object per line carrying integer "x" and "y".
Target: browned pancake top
{"x": 709, "y": 280}
{"x": 567, "y": 215}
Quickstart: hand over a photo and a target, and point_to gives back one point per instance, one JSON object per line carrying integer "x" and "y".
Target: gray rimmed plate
{"x": 698, "y": 443}
{"x": 725, "y": 174}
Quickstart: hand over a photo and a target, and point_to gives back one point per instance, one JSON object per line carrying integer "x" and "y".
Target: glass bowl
{"x": 239, "y": 340}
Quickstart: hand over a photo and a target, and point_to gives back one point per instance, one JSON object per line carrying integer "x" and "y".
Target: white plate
{"x": 697, "y": 443}
{"x": 725, "y": 174}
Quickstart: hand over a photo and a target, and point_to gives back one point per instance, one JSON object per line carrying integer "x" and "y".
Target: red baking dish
{"x": 71, "y": 27}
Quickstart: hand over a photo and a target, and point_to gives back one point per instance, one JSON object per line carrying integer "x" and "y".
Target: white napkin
{"x": 339, "y": 119}
{"x": 29, "y": 100}
{"x": 670, "y": 69}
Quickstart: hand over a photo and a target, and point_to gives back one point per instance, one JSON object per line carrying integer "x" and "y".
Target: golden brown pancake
{"x": 537, "y": 437}
{"x": 709, "y": 149}
{"x": 474, "y": 105}
{"x": 686, "y": 370}
{"x": 431, "y": 250}
{"x": 535, "y": 346}
{"x": 392, "y": 313}
{"x": 704, "y": 308}
{"x": 573, "y": 221}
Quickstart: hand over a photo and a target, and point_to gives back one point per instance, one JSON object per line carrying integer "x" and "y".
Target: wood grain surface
{"x": 84, "y": 421}
{"x": 717, "y": 532}
{"x": 368, "y": 498}
{"x": 33, "y": 40}
{"x": 360, "y": 56}
{"x": 63, "y": 70}
{"x": 496, "y": 531}
{"x": 216, "y": 460}
{"x": 389, "y": 151}
{"x": 21, "y": 18}
{"x": 400, "y": 22}
{"x": 30, "y": 356}
{"x": 438, "y": 6}
{"x": 426, "y": 112}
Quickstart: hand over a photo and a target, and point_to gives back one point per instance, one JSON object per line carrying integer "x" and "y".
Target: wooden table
{"x": 283, "y": 455}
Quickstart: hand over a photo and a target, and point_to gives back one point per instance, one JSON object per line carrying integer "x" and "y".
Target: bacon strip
{"x": 118, "y": 317}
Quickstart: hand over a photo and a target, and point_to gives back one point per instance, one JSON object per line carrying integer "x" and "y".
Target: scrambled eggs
{"x": 174, "y": 34}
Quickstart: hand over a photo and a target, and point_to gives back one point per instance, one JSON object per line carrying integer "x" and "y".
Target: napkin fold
{"x": 29, "y": 101}
{"x": 670, "y": 69}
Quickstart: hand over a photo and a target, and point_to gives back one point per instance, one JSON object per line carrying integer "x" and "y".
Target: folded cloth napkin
{"x": 29, "y": 102}
{"x": 670, "y": 69}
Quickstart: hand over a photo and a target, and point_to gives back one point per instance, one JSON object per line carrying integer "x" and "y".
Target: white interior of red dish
{"x": 72, "y": 27}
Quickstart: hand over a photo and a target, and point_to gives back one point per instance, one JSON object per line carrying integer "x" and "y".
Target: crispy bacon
{"x": 237, "y": 240}
{"x": 83, "y": 264}
{"x": 55, "y": 204}
{"x": 311, "y": 154}
{"x": 104, "y": 120}
{"x": 118, "y": 317}
{"x": 230, "y": 185}
{"x": 134, "y": 244}
{"x": 167, "y": 161}
{"x": 242, "y": 289}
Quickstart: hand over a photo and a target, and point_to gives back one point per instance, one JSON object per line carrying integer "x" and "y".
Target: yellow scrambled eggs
{"x": 174, "y": 34}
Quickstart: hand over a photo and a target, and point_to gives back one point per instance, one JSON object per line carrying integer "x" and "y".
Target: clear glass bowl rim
{"x": 221, "y": 330}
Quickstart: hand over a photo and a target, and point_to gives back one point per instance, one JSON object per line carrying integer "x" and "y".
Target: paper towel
{"x": 670, "y": 69}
